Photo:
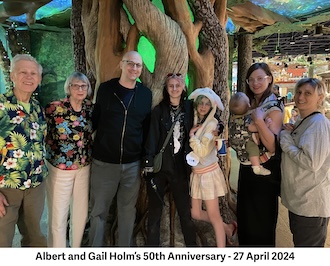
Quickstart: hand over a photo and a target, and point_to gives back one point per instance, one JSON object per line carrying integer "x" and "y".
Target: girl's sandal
{"x": 233, "y": 238}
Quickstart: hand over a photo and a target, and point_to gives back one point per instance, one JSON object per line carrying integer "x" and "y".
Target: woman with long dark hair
{"x": 257, "y": 196}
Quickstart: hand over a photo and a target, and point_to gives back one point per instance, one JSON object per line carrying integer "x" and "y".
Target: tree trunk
{"x": 244, "y": 59}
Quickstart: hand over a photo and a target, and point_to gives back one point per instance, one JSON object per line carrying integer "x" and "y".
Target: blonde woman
{"x": 305, "y": 166}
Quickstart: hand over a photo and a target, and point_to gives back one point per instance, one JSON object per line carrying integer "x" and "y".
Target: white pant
{"x": 67, "y": 188}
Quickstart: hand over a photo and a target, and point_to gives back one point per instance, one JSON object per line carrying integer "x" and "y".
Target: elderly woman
{"x": 68, "y": 146}
{"x": 305, "y": 166}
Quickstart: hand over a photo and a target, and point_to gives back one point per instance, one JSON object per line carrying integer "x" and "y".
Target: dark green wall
{"x": 54, "y": 52}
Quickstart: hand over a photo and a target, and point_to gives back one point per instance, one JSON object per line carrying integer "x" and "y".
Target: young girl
{"x": 207, "y": 181}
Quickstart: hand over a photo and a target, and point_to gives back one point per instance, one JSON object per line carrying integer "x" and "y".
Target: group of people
{"x": 190, "y": 164}
{"x": 53, "y": 151}
{"x": 95, "y": 153}
{"x": 296, "y": 156}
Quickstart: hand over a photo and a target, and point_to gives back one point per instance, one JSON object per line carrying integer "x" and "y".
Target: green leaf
{"x": 34, "y": 117}
{"x": 6, "y": 126}
{"x": 37, "y": 151}
{"x": 18, "y": 140}
{"x": 26, "y": 127}
{"x": 29, "y": 154}
{"x": 36, "y": 183}
{"x": 11, "y": 106}
{"x": 2, "y": 113}
{"x": 2, "y": 142}
{"x": 22, "y": 163}
{"x": 14, "y": 179}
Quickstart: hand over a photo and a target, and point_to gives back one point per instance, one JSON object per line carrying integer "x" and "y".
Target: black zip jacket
{"x": 159, "y": 126}
{"x": 120, "y": 131}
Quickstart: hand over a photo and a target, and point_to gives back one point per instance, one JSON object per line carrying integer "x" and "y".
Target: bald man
{"x": 121, "y": 119}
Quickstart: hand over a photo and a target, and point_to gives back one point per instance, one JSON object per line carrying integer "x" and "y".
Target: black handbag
{"x": 158, "y": 159}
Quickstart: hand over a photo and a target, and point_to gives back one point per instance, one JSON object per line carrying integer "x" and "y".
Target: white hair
{"x": 24, "y": 57}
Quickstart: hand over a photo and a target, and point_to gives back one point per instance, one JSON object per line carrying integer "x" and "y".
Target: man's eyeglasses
{"x": 76, "y": 87}
{"x": 258, "y": 80}
{"x": 132, "y": 64}
{"x": 170, "y": 75}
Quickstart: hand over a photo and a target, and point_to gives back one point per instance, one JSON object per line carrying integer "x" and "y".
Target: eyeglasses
{"x": 132, "y": 64}
{"x": 170, "y": 75}
{"x": 258, "y": 80}
{"x": 76, "y": 87}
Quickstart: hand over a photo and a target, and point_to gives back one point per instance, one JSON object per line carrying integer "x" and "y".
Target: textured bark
{"x": 10, "y": 8}
{"x": 89, "y": 20}
{"x": 244, "y": 59}
{"x": 5, "y": 65}
{"x": 168, "y": 40}
{"x": 78, "y": 37}
{"x": 252, "y": 17}
{"x": 78, "y": 41}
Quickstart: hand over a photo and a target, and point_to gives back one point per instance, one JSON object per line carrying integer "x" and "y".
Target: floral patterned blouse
{"x": 22, "y": 143}
{"x": 69, "y": 138}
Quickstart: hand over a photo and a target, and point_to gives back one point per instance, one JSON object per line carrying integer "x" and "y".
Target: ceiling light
{"x": 305, "y": 34}
{"x": 309, "y": 58}
{"x": 277, "y": 51}
{"x": 277, "y": 48}
{"x": 292, "y": 40}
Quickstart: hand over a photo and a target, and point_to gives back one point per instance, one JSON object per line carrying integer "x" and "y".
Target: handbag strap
{"x": 171, "y": 130}
{"x": 314, "y": 113}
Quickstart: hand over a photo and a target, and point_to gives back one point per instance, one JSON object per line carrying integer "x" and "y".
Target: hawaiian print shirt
{"x": 22, "y": 139}
{"x": 69, "y": 138}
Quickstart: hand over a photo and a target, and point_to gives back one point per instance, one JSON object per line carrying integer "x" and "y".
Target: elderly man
{"x": 22, "y": 167}
{"x": 121, "y": 119}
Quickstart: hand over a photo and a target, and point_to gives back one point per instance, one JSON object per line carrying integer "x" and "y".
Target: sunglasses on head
{"x": 169, "y": 75}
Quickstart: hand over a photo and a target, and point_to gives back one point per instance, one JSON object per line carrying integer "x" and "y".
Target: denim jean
{"x": 107, "y": 179}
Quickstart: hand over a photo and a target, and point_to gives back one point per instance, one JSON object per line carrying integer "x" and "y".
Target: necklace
{"x": 174, "y": 108}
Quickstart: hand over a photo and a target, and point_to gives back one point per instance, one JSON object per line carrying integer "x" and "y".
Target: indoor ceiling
{"x": 286, "y": 27}
{"x": 315, "y": 40}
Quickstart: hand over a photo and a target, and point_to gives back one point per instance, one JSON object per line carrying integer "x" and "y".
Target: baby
{"x": 241, "y": 138}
